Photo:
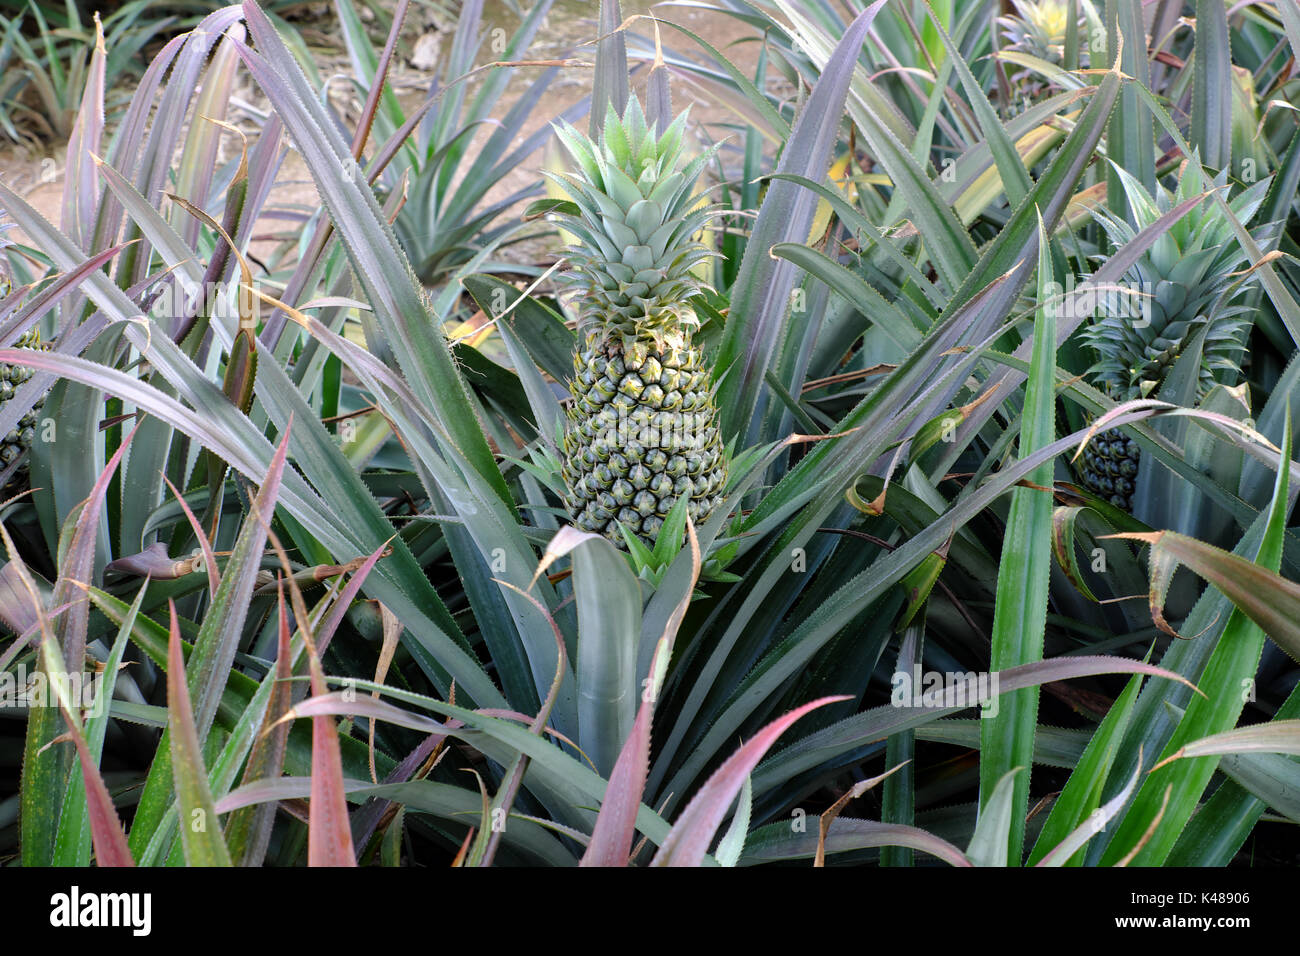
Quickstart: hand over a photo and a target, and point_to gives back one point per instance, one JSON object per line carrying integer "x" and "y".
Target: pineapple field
{"x": 531, "y": 433}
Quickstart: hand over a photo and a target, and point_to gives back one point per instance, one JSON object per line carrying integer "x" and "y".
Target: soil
{"x": 35, "y": 171}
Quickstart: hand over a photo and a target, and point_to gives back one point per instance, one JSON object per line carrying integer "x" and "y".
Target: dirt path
{"x": 37, "y": 174}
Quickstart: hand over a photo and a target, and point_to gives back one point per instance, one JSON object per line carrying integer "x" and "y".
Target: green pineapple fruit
{"x": 1187, "y": 284}
{"x": 19, "y": 439}
{"x": 642, "y": 430}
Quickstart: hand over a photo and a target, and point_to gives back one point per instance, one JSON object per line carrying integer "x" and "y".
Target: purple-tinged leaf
{"x": 325, "y": 632}
{"x": 106, "y": 829}
{"x": 106, "y": 834}
{"x": 611, "y": 838}
{"x": 75, "y": 838}
{"x": 248, "y": 833}
{"x": 1268, "y": 599}
{"x": 688, "y": 841}
{"x": 205, "y": 546}
{"x": 16, "y": 609}
{"x": 367, "y": 819}
{"x": 329, "y": 831}
{"x": 1273, "y": 737}
{"x": 274, "y": 790}
{"x": 201, "y": 836}
{"x": 80, "y": 195}
{"x": 223, "y": 626}
{"x": 342, "y": 702}
{"x": 329, "y": 835}
{"x": 49, "y": 297}
{"x": 78, "y": 561}
{"x": 779, "y": 841}
{"x": 153, "y": 562}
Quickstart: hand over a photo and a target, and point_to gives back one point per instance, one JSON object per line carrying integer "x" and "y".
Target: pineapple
{"x": 1187, "y": 284}
{"x": 642, "y": 430}
{"x": 19, "y": 439}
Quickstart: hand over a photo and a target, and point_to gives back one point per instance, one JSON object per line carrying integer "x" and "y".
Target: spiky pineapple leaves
{"x": 608, "y": 601}
{"x": 764, "y": 284}
{"x": 46, "y": 768}
{"x": 615, "y": 825}
{"x": 1212, "y": 105}
{"x": 1082, "y": 794}
{"x": 1020, "y": 609}
{"x": 77, "y": 823}
{"x": 200, "y": 835}
{"x": 1228, "y": 673}
{"x": 651, "y": 565}
{"x": 1272, "y": 737}
{"x": 692, "y": 833}
{"x": 610, "y": 86}
{"x": 1264, "y": 596}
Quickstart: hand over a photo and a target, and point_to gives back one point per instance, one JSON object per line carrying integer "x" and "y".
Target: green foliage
{"x": 331, "y": 538}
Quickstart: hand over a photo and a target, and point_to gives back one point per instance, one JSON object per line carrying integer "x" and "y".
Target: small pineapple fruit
{"x": 642, "y": 430}
{"x": 20, "y": 437}
{"x": 1185, "y": 283}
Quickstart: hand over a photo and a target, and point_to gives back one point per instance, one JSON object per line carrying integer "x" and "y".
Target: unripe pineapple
{"x": 1186, "y": 283}
{"x": 642, "y": 430}
{"x": 20, "y": 437}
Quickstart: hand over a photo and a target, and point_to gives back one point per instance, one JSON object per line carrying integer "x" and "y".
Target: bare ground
{"x": 36, "y": 172}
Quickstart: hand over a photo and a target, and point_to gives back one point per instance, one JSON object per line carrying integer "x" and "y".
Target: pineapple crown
{"x": 1039, "y": 29}
{"x": 634, "y": 217}
{"x": 1187, "y": 284}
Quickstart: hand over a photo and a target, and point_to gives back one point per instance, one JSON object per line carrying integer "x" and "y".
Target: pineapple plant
{"x": 642, "y": 429}
{"x": 1186, "y": 283}
{"x": 1038, "y": 29}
